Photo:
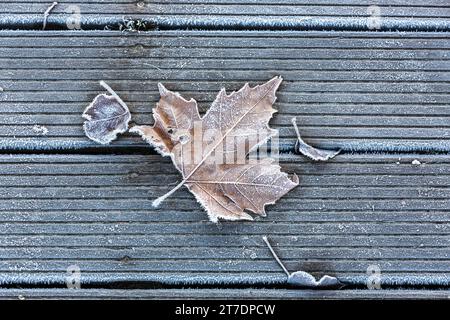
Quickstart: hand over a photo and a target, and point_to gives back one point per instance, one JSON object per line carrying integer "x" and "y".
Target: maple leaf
{"x": 226, "y": 190}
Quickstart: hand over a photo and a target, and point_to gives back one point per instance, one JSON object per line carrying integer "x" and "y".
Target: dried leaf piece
{"x": 106, "y": 117}
{"x": 174, "y": 116}
{"x": 225, "y": 190}
{"x": 311, "y": 152}
{"x": 231, "y": 189}
{"x": 302, "y": 278}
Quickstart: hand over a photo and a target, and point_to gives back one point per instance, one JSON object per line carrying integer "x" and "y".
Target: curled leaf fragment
{"x": 311, "y": 152}
{"x": 302, "y": 278}
{"x": 106, "y": 117}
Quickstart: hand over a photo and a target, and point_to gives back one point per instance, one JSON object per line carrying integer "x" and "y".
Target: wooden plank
{"x": 94, "y": 211}
{"x": 355, "y": 91}
{"x": 292, "y": 14}
{"x": 228, "y": 294}
{"x": 238, "y": 8}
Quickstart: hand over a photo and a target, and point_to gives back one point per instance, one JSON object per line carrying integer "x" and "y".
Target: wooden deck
{"x": 382, "y": 97}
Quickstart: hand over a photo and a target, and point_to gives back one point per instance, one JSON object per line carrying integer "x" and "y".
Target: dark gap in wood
{"x": 138, "y": 150}
{"x": 106, "y": 150}
{"x": 133, "y": 285}
{"x": 34, "y": 22}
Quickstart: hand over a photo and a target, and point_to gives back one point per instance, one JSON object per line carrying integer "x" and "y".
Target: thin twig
{"x": 114, "y": 94}
{"x": 47, "y": 13}
{"x": 275, "y": 256}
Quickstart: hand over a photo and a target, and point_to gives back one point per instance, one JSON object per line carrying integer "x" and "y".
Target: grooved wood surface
{"x": 384, "y": 95}
{"x": 351, "y": 90}
{"x": 229, "y": 294}
{"x": 94, "y": 211}
{"x": 433, "y": 9}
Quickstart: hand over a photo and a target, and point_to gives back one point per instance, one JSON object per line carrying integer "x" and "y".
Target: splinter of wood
{"x": 47, "y": 13}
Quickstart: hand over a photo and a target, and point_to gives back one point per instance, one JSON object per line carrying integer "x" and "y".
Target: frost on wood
{"x": 302, "y": 278}
{"x": 106, "y": 117}
{"x": 311, "y": 152}
{"x": 226, "y": 190}
{"x": 41, "y": 130}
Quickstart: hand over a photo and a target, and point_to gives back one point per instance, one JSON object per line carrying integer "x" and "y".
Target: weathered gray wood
{"x": 229, "y": 294}
{"x": 275, "y": 14}
{"x": 238, "y": 8}
{"x": 356, "y": 91}
{"x": 95, "y": 211}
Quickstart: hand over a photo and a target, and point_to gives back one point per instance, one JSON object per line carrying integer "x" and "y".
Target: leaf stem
{"x": 47, "y": 13}
{"x": 114, "y": 94}
{"x": 275, "y": 256}
{"x": 294, "y": 122}
{"x": 158, "y": 201}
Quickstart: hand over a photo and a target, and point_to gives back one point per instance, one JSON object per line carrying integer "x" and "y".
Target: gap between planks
{"x": 229, "y": 294}
{"x": 236, "y": 14}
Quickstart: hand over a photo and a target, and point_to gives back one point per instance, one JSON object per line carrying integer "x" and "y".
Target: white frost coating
{"x": 24, "y": 21}
{"x": 216, "y": 278}
{"x": 42, "y": 130}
